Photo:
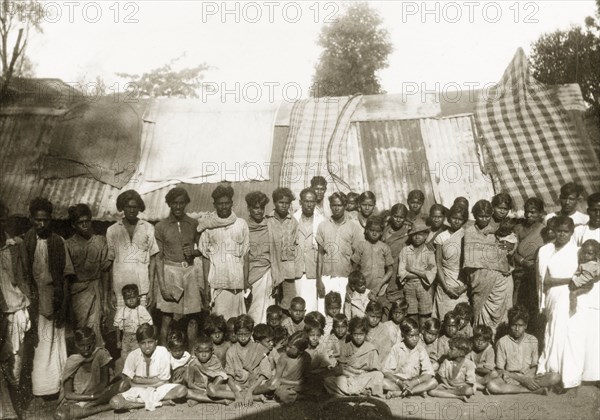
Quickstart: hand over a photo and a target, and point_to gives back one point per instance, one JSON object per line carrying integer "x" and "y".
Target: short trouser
{"x": 418, "y": 298}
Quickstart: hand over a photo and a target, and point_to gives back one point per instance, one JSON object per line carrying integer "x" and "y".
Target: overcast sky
{"x": 270, "y": 47}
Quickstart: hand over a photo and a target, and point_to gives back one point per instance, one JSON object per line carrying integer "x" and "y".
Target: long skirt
{"x": 49, "y": 358}
{"x": 492, "y": 297}
{"x": 87, "y": 308}
{"x": 555, "y": 336}
{"x": 442, "y": 303}
{"x": 332, "y": 284}
{"x": 186, "y": 279}
{"x": 262, "y": 291}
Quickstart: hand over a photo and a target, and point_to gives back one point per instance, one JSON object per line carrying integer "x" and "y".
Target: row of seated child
{"x": 291, "y": 358}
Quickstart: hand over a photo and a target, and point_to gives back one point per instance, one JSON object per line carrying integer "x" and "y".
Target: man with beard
{"x": 223, "y": 257}
{"x": 89, "y": 254}
{"x": 306, "y": 238}
{"x": 51, "y": 268}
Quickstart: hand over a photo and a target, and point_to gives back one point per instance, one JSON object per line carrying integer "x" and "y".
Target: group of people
{"x": 334, "y": 297}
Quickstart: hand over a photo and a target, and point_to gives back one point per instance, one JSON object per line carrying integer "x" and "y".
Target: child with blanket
{"x": 407, "y": 369}
{"x": 293, "y": 368}
{"x": 247, "y": 365}
{"x": 85, "y": 386}
{"x": 379, "y": 334}
{"x": 456, "y": 374}
{"x": 359, "y": 365}
{"x": 148, "y": 371}
{"x": 206, "y": 379}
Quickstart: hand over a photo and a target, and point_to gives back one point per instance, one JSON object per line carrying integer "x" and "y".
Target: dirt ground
{"x": 584, "y": 405}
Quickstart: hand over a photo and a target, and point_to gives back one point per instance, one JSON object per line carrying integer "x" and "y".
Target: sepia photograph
{"x": 298, "y": 210}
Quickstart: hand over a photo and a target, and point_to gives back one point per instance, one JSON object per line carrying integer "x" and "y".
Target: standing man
{"x": 337, "y": 238}
{"x": 283, "y": 227}
{"x": 51, "y": 268}
{"x": 223, "y": 252}
{"x": 15, "y": 297}
{"x": 178, "y": 283}
{"x": 307, "y": 248}
{"x": 319, "y": 186}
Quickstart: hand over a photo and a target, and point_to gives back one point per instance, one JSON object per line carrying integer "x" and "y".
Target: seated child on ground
{"x": 85, "y": 386}
{"x": 248, "y": 364}
{"x": 317, "y": 317}
{"x": 179, "y": 356}
{"x": 407, "y": 369}
{"x": 516, "y": 360}
{"x": 293, "y": 369}
{"x": 483, "y": 356}
{"x": 295, "y": 322}
{"x": 359, "y": 296}
{"x": 398, "y": 312}
{"x": 379, "y": 335}
{"x": 206, "y": 378}
{"x": 464, "y": 313}
{"x": 430, "y": 334}
{"x": 450, "y": 330}
{"x": 333, "y": 306}
{"x": 148, "y": 371}
{"x": 128, "y": 319}
{"x": 457, "y": 373}
{"x": 263, "y": 335}
{"x": 280, "y": 338}
{"x": 586, "y": 275}
{"x": 337, "y": 337}
{"x": 317, "y": 348}
{"x": 274, "y": 316}
{"x": 358, "y": 365}
{"x": 216, "y": 328}
{"x": 231, "y": 330}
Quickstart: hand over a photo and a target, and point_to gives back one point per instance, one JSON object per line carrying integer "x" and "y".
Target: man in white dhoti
{"x": 49, "y": 265}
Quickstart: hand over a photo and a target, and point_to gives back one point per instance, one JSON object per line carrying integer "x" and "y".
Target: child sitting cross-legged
{"x": 430, "y": 333}
{"x": 206, "y": 378}
{"x": 179, "y": 356}
{"x": 293, "y": 368}
{"x": 263, "y": 334}
{"x": 248, "y": 365}
{"x": 407, "y": 369}
{"x": 317, "y": 348}
{"x": 358, "y": 365}
{"x": 85, "y": 387}
{"x": 216, "y": 328}
{"x": 483, "y": 356}
{"x": 456, "y": 373}
{"x": 516, "y": 360}
{"x": 379, "y": 334}
{"x": 148, "y": 371}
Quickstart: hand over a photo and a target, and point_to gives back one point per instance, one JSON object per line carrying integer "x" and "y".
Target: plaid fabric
{"x": 418, "y": 299}
{"x": 313, "y": 122}
{"x": 532, "y": 143}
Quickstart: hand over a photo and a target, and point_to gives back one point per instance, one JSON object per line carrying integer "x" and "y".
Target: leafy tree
{"x": 168, "y": 82}
{"x": 571, "y": 56}
{"x": 355, "y": 47}
{"x": 17, "y": 18}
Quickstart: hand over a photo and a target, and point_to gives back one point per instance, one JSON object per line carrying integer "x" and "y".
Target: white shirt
{"x": 160, "y": 364}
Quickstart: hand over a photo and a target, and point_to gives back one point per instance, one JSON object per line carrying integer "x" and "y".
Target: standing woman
{"x": 556, "y": 265}
{"x": 450, "y": 283}
{"x": 502, "y": 204}
{"x": 529, "y": 234}
{"x": 89, "y": 254}
{"x": 132, "y": 250}
{"x": 178, "y": 283}
{"x": 487, "y": 268}
{"x": 366, "y": 206}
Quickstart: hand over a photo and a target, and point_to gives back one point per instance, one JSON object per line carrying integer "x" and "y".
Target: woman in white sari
{"x": 557, "y": 263}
